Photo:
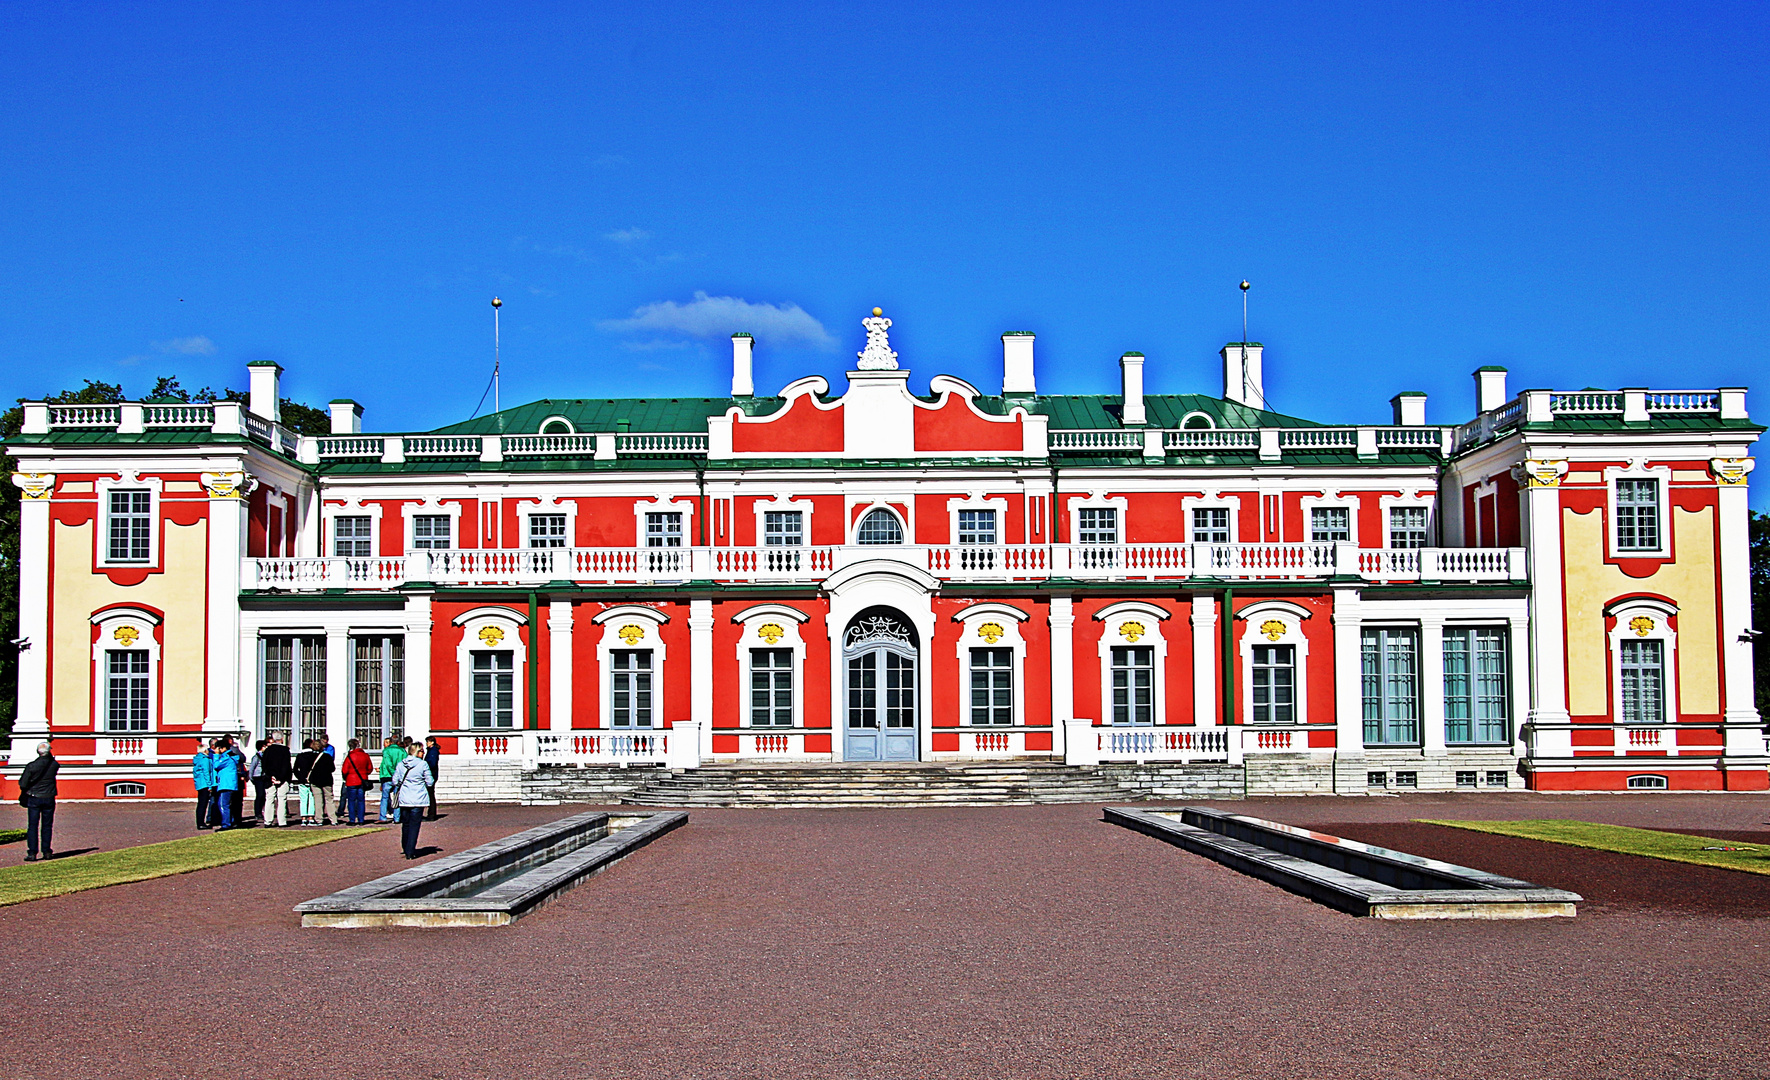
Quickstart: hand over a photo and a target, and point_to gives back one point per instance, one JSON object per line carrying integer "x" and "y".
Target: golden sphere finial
{"x": 497, "y": 302}
{"x": 878, "y": 311}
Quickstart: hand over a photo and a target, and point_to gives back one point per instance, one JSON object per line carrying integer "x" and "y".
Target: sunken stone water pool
{"x": 496, "y": 883}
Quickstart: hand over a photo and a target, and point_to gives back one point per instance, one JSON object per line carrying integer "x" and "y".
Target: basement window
{"x": 1497, "y": 778}
{"x": 124, "y": 789}
{"x": 1407, "y": 779}
{"x": 1648, "y": 782}
{"x": 1466, "y": 779}
{"x": 1376, "y": 779}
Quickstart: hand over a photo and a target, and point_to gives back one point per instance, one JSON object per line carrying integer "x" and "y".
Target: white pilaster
{"x": 1063, "y": 672}
{"x": 559, "y": 665}
{"x": 227, "y": 546}
{"x": 1204, "y": 661}
{"x": 700, "y": 670}
{"x": 1736, "y": 605}
{"x": 417, "y": 719}
{"x": 340, "y": 708}
{"x": 1548, "y": 641}
{"x": 1432, "y": 687}
{"x": 1348, "y": 677}
{"x": 32, "y": 720}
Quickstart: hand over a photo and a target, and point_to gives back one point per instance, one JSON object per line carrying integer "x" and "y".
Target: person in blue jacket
{"x": 203, "y": 776}
{"x": 227, "y": 781}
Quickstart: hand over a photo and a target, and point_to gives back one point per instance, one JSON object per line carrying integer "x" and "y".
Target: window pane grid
{"x": 663, "y": 530}
{"x": 1477, "y": 692}
{"x": 992, "y": 686}
{"x": 292, "y": 684}
{"x": 1389, "y": 659}
{"x": 630, "y": 693}
{"x": 379, "y": 692}
{"x": 977, "y": 526}
{"x": 432, "y": 531}
{"x": 783, "y": 528}
{"x": 351, "y": 537}
{"x": 771, "y": 687}
{"x": 1637, "y": 515}
{"x": 1328, "y": 524}
{"x": 1275, "y": 676}
{"x": 494, "y": 690}
{"x": 1210, "y": 526}
{"x": 879, "y": 527}
{"x": 547, "y": 530}
{"x": 126, "y": 693}
{"x": 1643, "y": 682}
{"x": 1407, "y": 527}
{"x": 1097, "y": 525}
{"x": 1133, "y": 685}
{"x": 131, "y": 526}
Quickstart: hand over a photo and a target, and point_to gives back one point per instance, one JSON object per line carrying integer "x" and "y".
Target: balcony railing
{"x": 950, "y": 562}
{"x": 1627, "y": 406}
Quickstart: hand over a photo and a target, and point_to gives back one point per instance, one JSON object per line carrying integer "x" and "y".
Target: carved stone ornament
{"x": 1538, "y": 473}
{"x": 491, "y": 635}
{"x": 770, "y": 632}
{"x": 877, "y": 356}
{"x": 34, "y": 485}
{"x": 1131, "y": 631}
{"x": 126, "y": 635}
{"x": 632, "y": 633}
{"x": 1273, "y": 629}
{"x": 228, "y": 485}
{"x": 878, "y": 630}
{"x": 1641, "y": 625}
{"x": 1731, "y": 471}
{"x": 990, "y": 632}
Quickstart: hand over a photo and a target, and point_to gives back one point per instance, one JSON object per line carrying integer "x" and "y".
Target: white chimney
{"x": 1410, "y": 408}
{"x": 1241, "y": 374}
{"x": 1490, "y": 388}
{"x": 1017, "y": 363}
{"x": 743, "y": 382}
{"x": 262, "y": 389}
{"x": 1131, "y": 371}
{"x": 347, "y": 417}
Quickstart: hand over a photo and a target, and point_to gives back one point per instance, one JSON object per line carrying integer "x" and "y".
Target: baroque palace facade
{"x": 1554, "y": 595}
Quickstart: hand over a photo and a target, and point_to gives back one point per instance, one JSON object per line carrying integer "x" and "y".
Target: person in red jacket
{"x": 355, "y": 771}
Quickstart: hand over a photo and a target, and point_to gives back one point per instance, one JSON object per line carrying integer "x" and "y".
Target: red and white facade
{"x": 1553, "y": 595}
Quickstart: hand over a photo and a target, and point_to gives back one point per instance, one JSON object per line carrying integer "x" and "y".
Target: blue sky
{"x": 1576, "y": 192}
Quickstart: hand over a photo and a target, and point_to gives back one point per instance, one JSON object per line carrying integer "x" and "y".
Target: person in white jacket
{"x": 411, "y": 783}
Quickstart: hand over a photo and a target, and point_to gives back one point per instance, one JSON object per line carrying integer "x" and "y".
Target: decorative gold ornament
{"x": 34, "y": 485}
{"x": 990, "y": 632}
{"x": 226, "y": 485}
{"x": 126, "y": 635}
{"x": 770, "y": 632}
{"x": 1641, "y": 625}
{"x": 1273, "y": 629}
{"x": 1731, "y": 471}
{"x": 1131, "y": 631}
{"x": 491, "y": 635}
{"x": 632, "y": 633}
{"x": 1542, "y": 473}
{"x": 878, "y": 311}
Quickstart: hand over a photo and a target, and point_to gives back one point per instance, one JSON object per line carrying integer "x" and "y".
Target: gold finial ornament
{"x": 1641, "y": 625}
{"x": 990, "y": 632}
{"x": 770, "y": 632}
{"x": 1131, "y": 631}
{"x": 491, "y": 635}
{"x": 878, "y": 311}
{"x": 632, "y": 633}
{"x": 126, "y": 635}
{"x": 497, "y": 302}
{"x": 1273, "y": 629}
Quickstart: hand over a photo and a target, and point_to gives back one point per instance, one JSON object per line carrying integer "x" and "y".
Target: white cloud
{"x": 186, "y": 346}
{"x": 721, "y": 316}
{"x": 627, "y": 236}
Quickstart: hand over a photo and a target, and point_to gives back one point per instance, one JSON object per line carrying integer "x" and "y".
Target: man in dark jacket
{"x": 36, "y": 793}
{"x": 319, "y": 777}
{"x": 432, "y": 758}
{"x": 277, "y": 770}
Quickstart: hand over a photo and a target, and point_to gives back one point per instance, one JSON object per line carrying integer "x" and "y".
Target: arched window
{"x": 879, "y": 527}
{"x": 556, "y": 425}
{"x": 1197, "y": 421}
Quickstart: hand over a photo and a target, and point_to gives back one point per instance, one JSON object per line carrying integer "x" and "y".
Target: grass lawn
{"x": 34, "y": 881}
{"x": 1652, "y": 843}
{"x": 7, "y": 836}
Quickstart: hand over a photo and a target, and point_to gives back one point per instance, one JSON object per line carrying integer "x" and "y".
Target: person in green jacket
{"x": 391, "y": 755}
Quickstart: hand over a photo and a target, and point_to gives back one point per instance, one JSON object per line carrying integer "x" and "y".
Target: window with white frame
{"x": 1274, "y": 684}
{"x": 1390, "y": 668}
{"x": 353, "y": 536}
{"x": 1133, "y": 684}
{"x": 1328, "y": 524}
{"x": 432, "y": 531}
{"x": 128, "y": 691}
{"x": 771, "y": 688}
{"x": 494, "y": 688}
{"x": 1097, "y": 529}
{"x": 548, "y": 531}
{"x": 992, "y": 686}
{"x": 1643, "y": 665}
{"x": 630, "y": 688}
{"x": 1477, "y": 685}
{"x": 292, "y": 687}
{"x": 130, "y": 529}
{"x": 1210, "y": 525}
{"x": 977, "y": 526}
{"x": 879, "y": 527}
{"x": 1407, "y": 527}
{"x": 783, "y": 528}
{"x": 378, "y": 689}
{"x": 1637, "y": 515}
{"x": 663, "y": 529}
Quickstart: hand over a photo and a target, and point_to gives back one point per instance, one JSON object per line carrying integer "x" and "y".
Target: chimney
{"x": 1017, "y": 364}
{"x": 743, "y": 383}
{"x": 1490, "y": 388}
{"x": 263, "y": 397}
{"x": 1131, "y": 371}
{"x": 1410, "y": 408}
{"x": 347, "y": 417}
{"x": 1241, "y": 381}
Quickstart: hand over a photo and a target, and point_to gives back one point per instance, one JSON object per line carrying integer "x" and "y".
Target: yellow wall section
{"x": 178, "y": 592}
{"x": 1591, "y": 583}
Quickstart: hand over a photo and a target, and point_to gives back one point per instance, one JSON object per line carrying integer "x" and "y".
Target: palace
{"x": 1553, "y": 595}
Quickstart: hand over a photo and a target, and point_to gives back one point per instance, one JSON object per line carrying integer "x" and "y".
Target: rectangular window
{"x": 131, "y": 527}
{"x": 1496, "y": 777}
{"x": 1407, "y": 526}
{"x": 1391, "y": 686}
{"x": 1210, "y": 526}
{"x": 494, "y": 689}
{"x": 351, "y": 537}
{"x": 1133, "y": 684}
{"x": 378, "y": 690}
{"x": 292, "y": 683}
{"x": 547, "y": 530}
{"x": 1477, "y": 693}
{"x": 1637, "y": 515}
{"x": 1407, "y": 779}
{"x": 992, "y": 686}
{"x": 1643, "y": 682}
{"x": 126, "y": 690}
{"x": 432, "y": 531}
{"x": 1466, "y": 778}
{"x": 1330, "y": 523}
{"x": 977, "y": 526}
{"x": 630, "y": 688}
{"x": 1097, "y": 525}
{"x": 1275, "y": 684}
{"x": 771, "y": 688}
{"x": 663, "y": 530}
{"x": 783, "y": 528}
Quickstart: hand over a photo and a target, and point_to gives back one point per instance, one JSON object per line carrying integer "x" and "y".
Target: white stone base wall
{"x": 1351, "y": 773}
{"x": 1290, "y": 774}
{"x": 473, "y": 781}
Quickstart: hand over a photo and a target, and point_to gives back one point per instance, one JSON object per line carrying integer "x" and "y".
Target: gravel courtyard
{"x": 988, "y": 942}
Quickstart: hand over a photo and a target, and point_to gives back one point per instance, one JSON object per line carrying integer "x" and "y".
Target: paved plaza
{"x": 987, "y": 942}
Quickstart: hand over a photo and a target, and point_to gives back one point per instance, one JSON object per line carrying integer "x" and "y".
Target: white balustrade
{"x": 443, "y": 446}
{"x": 662, "y": 444}
{"x": 1212, "y": 439}
{"x": 549, "y": 445}
{"x": 1586, "y": 403}
{"x": 1318, "y": 438}
{"x": 1097, "y": 439}
{"x": 1162, "y": 744}
{"x": 1259, "y": 740}
{"x": 1683, "y": 401}
{"x": 84, "y": 416}
{"x": 198, "y": 416}
{"x": 350, "y": 446}
{"x": 601, "y": 747}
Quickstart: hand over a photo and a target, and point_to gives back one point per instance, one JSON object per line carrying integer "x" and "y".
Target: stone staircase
{"x": 917, "y": 784}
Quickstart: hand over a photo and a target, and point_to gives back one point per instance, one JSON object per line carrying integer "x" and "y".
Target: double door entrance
{"x": 880, "y": 660}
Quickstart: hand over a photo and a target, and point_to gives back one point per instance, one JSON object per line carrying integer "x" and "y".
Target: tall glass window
{"x": 1133, "y": 684}
{"x": 292, "y": 687}
{"x": 1391, "y": 686}
{"x": 1330, "y": 523}
{"x": 663, "y": 529}
{"x": 630, "y": 688}
{"x": 992, "y": 686}
{"x": 432, "y": 531}
{"x": 494, "y": 689}
{"x": 131, "y": 527}
{"x": 547, "y": 531}
{"x": 1643, "y": 681}
{"x": 352, "y": 537}
{"x": 1477, "y": 692}
{"x": 1210, "y": 526}
{"x": 879, "y": 527}
{"x": 127, "y": 704}
{"x": 1637, "y": 515}
{"x": 378, "y": 690}
{"x": 977, "y": 526}
{"x": 783, "y": 528}
{"x": 1275, "y": 684}
{"x": 771, "y": 688}
{"x": 1407, "y": 526}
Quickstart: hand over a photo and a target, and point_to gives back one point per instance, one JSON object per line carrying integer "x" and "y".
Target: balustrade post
{"x": 1538, "y": 407}
{"x": 1634, "y": 406}
{"x": 307, "y": 450}
{"x": 1269, "y": 450}
{"x": 228, "y": 419}
{"x": 1346, "y": 558}
{"x": 417, "y": 567}
{"x": 1238, "y": 737}
{"x": 1367, "y": 442}
{"x": 37, "y": 419}
{"x": 337, "y": 574}
{"x": 131, "y": 419}
{"x": 1081, "y": 745}
{"x": 682, "y": 748}
{"x": 605, "y": 448}
{"x": 491, "y": 448}
{"x": 393, "y": 449}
